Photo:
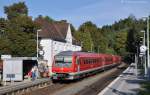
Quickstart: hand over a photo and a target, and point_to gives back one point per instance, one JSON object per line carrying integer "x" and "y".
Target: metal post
{"x": 145, "y": 65}
{"x": 144, "y": 39}
{"x": 136, "y": 61}
{"x": 37, "y": 44}
{"x": 148, "y": 47}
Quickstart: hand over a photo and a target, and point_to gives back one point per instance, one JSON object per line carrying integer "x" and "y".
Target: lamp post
{"x": 145, "y": 65}
{"x": 148, "y": 64}
{"x": 37, "y": 43}
{"x": 148, "y": 47}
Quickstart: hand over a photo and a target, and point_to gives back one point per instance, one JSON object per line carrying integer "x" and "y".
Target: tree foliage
{"x": 15, "y": 10}
{"x": 85, "y": 39}
{"x": 122, "y": 37}
{"x": 18, "y": 31}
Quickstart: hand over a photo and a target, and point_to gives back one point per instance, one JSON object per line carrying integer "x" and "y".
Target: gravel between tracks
{"x": 88, "y": 86}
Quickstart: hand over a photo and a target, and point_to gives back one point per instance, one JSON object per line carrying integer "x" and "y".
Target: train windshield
{"x": 63, "y": 61}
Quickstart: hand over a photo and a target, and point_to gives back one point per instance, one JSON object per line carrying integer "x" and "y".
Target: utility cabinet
{"x": 13, "y": 70}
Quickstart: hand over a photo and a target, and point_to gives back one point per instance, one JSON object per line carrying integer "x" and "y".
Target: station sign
{"x": 6, "y": 56}
{"x": 41, "y": 52}
{"x": 143, "y": 49}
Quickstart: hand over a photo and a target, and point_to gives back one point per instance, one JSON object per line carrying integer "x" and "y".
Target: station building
{"x": 54, "y": 38}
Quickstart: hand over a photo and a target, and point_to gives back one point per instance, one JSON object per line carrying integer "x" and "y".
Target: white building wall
{"x": 51, "y": 47}
{"x": 47, "y": 48}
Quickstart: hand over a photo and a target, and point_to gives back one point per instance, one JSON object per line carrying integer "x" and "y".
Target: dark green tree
{"x": 19, "y": 31}
{"x": 15, "y": 10}
{"x": 121, "y": 40}
{"x": 85, "y": 40}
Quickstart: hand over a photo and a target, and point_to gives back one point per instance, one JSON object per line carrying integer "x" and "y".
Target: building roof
{"x": 54, "y": 30}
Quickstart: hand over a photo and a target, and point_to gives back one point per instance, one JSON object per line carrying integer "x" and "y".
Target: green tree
{"x": 121, "y": 40}
{"x": 16, "y": 10}
{"x": 47, "y": 18}
{"x": 19, "y": 31}
{"x": 85, "y": 39}
{"x": 89, "y": 27}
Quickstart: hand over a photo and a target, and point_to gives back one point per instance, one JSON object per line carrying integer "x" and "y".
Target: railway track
{"x": 101, "y": 83}
{"x": 88, "y": 86}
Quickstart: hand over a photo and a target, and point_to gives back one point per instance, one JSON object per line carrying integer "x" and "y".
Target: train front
{"x": 62, "y": 67}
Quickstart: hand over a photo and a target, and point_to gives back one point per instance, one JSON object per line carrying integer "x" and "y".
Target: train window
{"x": 59, "y": 58}
{"x": 94, "y": 60}
{"x": 84, "y": 61}
{"x": 80, "y": 61}
{"x": 63, "y": 61}
{"x": 89, "y": 61}
{"x": 68, "y": 59}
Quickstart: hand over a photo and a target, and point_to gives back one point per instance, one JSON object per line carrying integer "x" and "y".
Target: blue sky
{"x": 100, "y": 12}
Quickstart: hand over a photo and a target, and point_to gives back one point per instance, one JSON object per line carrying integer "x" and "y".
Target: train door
{"x": 78, "y": 64}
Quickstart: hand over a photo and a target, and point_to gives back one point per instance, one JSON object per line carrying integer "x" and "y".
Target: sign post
{"x": 143, "y": 49}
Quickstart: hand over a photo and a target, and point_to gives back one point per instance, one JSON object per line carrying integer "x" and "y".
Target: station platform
{"x": 128, "y": 83}
{"x": 16, "y": 86}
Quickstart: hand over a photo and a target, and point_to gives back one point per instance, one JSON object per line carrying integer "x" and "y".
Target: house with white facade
{"x": 55, "y": 37}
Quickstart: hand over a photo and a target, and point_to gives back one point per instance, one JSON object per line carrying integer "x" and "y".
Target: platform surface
{"x": 128, "y": 83}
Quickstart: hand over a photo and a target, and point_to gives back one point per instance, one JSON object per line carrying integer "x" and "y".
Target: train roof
{"x": 70, "y": 53}
{"x": 65, "y": 53}
{"x": 79, "y": 53}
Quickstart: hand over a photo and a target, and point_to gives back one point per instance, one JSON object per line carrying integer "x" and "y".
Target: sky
{"x": 100, "y": 12}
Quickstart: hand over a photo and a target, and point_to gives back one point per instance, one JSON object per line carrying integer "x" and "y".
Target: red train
{"x": 70, "y": 65}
